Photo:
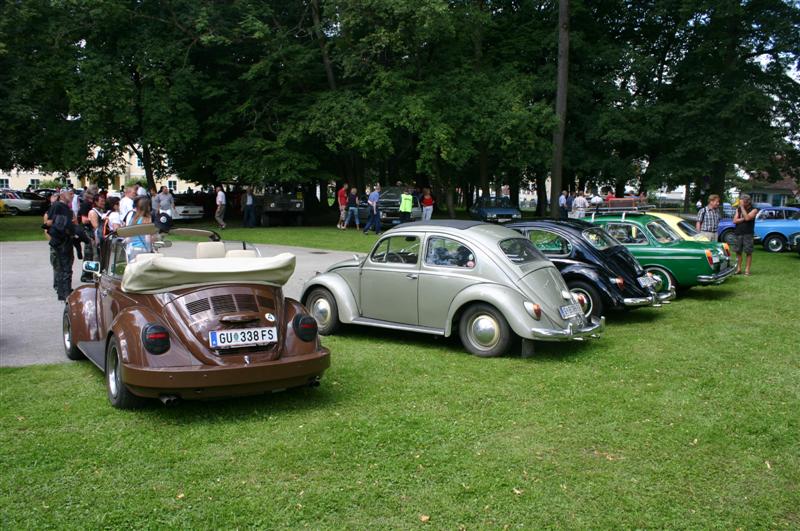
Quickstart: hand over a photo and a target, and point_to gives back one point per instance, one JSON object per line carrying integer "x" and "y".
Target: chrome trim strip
{"x": 398, "y": 326}
{"x": 718, "y": 278}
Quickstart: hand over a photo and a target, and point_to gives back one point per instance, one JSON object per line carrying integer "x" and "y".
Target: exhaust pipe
{"x": 169, "y": 400}
{"x": 314, "y": 382}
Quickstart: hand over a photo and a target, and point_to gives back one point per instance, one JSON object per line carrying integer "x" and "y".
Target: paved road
{"x": 30, "y": 314}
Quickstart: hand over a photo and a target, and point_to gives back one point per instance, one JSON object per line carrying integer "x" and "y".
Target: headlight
{"x": 516, "y": 216}
{"x": 490, "y": 215}
{"x": 534, "y": 310}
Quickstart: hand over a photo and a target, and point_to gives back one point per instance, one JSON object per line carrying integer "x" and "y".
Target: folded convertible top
{"x": 155, "y": 273}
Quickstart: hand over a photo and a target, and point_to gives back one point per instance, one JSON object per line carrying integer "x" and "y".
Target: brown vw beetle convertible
{"x": 171, "y": 327}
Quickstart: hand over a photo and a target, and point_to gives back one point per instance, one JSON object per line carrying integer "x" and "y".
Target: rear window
{"x": 661, "y": 232}
{"x": 688, "y": 228}
{"x": 599, "y": 238}
{"x": 521, "y": 251}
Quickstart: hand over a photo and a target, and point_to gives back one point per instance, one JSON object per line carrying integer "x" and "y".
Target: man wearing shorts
{"x": 745, "y": 221}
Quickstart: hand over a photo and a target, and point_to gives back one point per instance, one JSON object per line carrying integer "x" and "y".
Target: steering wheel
{"x": 394, "y": 258}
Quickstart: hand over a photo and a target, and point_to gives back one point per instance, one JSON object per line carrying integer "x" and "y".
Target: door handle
{"x": 412, "y": 276}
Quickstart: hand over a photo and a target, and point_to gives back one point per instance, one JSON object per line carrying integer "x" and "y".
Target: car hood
{"x": 546, "y": 287}
{"x": 620, "y": 260}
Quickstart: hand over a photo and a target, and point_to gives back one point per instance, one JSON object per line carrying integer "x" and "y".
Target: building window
{"x": 3, "y": 183}
{"x": 139, "y": 163}
{"x": 35, "y": 183}
{"x": 172, "y": 185}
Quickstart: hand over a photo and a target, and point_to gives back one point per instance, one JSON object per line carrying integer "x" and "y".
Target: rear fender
{"x": 345, "y": 299}
{"x": 293, "y": 345}
{"x": 128, "y": 326}
{"x": 82, "y": 308}
{"x": 591, "y": 276}
{"x": 508, "y": 301}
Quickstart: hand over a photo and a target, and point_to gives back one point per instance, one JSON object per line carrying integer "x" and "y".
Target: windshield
{"x": 661, "y": 231}
{"x": 793, "y": 215}
{"x": 688, "y": 228}
{"x": 491, "y": 202}
{"x": 599, "y": 238}
{"x": 521, "y": 251}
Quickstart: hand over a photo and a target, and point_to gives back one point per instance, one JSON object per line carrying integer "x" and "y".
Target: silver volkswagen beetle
{"x": 486, "y": 281}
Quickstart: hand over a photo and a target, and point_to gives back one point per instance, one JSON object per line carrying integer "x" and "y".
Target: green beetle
{"x": 676, "y": 262}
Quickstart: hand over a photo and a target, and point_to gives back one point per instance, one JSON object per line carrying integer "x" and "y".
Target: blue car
{"x": 495, "y": 210}
{"x": 774, "y": 228}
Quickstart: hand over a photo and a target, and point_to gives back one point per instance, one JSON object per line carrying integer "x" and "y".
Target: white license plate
{"x": 646, "y": 282}
{"x": 570, "y": 310}
{"x": 503, "y": 220}
{"x": 242, "y": 337}
{"x": 715, "y": 259}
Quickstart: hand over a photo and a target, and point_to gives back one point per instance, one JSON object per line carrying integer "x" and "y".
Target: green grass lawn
{"x": 685, "y": 416}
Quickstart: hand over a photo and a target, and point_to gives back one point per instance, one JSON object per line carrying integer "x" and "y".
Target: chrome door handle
{"x": 412, "y": 276}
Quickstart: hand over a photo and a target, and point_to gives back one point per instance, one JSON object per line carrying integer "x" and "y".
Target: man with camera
{"x": 745, "y": 221}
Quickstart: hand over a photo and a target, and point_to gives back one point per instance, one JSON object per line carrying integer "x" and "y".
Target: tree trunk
{"x": 541, "y": 195}
{"x": 323, "y": 46}
{"x": 561, "y": 106}
{"x": 483, "y": 169}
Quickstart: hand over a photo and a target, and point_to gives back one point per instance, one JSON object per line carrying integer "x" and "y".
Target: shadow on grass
{"x": 709, "y": 293}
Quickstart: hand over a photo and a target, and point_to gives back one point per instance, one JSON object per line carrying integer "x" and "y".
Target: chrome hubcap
{"x": 664, "y": 282}
{"x": 67, "y": 334}
{"x": 321, "y": 310}
{"x": 485, "y": 331}
{"x": 775, "y": 245}
{"x": 585, "y": 302}
{"x": 113, "y": 373}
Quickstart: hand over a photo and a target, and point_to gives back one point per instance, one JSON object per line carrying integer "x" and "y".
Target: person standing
{"x": 219, "y": 214}
{"x": 96, "y": 218}
{"x": 60, "y": 223}
{"x": 342, "y": 201}
{"x": 570, "y": 200}
{"x": 708, "y": 218}
{"x": 86, "y": 206}
{"x": 579, "y": 205}
{"x": 126, "y": 204}
{"x": 136, "y": 245}
{"x": 406, "y": 205}
{"x": 745, "y": 221}
{"x": 562, "y": 205}
{"x": 164, "y": 202}
{"x": 352, "y": 209}
{"x": 374, "y": 211}
{"x": 249, "y": 208}
{"x": 427, "y": 204}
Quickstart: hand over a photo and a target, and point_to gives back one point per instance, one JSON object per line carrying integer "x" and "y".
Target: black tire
{"x": 118, "y": 394}
{"x": 474, "y": 329}
{"x": 775, "y": 243}
{"x": 667, "y": 280}
{"x": 70, "y": 348}
{"x": 12, "y": 211}
{"x": 594, "y": 305}
{"x": 727, "y": 237}
{"x": 264, "y": 220}
{"x": 322, "y": 307}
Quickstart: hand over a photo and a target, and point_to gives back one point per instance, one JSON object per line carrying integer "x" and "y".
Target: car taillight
{"x": 619, "y": 281}
{"x": 534, "y": 310}
{"x": 710, "y": 258}
{"x": 305, "y": 327}
{"x": 727, "y": 249}
{"x": 155, "y": 339}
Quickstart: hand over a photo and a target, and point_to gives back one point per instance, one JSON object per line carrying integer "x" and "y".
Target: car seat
{"x": 241, "y": 253}
{"x": 210, "y": 250}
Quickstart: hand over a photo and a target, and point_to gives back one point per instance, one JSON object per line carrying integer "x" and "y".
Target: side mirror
{"x": 91, "y": 267}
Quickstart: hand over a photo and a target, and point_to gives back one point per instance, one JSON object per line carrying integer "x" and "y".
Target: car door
{"x": 389, "y": 278}
{"x": 449, "y": 266}
{"x": 767, "y": 220}
{"x": 109, "y": 292}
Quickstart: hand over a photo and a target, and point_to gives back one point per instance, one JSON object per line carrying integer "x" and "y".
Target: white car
{"x": 23, "y": 202}
{"x": 185, "y": 210}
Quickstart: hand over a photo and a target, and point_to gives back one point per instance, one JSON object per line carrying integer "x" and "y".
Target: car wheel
{"x": 727, "y": 237}
{"x": 118, "y": 394}
{"x": 593, "y": 302}
{"x": 13, "y": 211}
{"x": 484, "y": 331}
{"x": 667, "y": 282}
{"x": 322, "y": 306}
{"x": 264, "y": 220}
{"x": 70, "y": 348}
{"x": 775, "y": 243}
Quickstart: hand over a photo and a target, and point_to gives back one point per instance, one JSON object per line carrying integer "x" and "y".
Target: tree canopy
{"x": 451, "y": 94}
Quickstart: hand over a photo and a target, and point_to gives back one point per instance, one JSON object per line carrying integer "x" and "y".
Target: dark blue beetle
{"x": 594, "y": 265}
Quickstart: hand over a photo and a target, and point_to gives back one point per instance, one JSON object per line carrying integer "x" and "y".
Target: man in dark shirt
{"x": 61, "y": 231}
{"x": 745, "y": 221}
{"x": 86, "y": 205}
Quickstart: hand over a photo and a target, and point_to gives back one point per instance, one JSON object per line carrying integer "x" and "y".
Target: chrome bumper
{"x": 719, "y": 278}
{"x": 571, "y": 333}
{"x": 656, "y": 299}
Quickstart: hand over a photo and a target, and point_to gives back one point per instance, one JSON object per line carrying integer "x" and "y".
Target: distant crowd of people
{"x": 349, "y": 201}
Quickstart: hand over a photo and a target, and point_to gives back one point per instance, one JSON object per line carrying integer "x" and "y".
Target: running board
{"x": 398, "y": 326}
{"x": 95, "y": 351}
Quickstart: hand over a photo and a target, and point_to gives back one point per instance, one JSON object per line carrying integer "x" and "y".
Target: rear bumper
{"x": 655, "y": 299}
{"x": 214, "y": 381}
{"x": 594, "y": 329}
{"x": 718, "y": 278}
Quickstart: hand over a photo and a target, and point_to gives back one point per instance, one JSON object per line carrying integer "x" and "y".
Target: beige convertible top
{"x": 154, "y": 273}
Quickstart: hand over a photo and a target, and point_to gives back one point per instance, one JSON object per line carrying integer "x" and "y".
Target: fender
{"x": 345, "y": 299}
{"x": 579, "y": 271}
{"x": 128, "y": 326}
{"x": 293, "y": 344}
{"x": 82, "y": 308}
{"x": 508, "y": 301}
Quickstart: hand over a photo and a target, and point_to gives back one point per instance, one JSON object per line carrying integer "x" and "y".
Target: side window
{"x": 118, "y": 260}
{"x": 397, "y": 250}
{"x": 447, "y": 252}
{"x": 626, "y": 233}
{"x": 549, "y": 243}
